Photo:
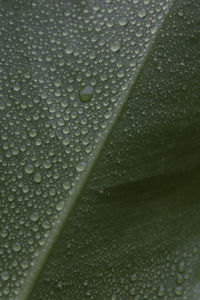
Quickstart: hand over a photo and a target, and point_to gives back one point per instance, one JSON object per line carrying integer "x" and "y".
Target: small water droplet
{"x": 38, "y": 177}
{"x": 115, "y": 46}
{"x": 5, "y": 276}
{"x": 35, "y": 216}
{"x": 69, "y": 50}
{"x": 161, "y": 291}
{"x": 179, "y": 278}
{"x": 16, "y": 246}
{"x": 132, "y": 291}
{"x": 123, "y": 21}
{"x": 86, "y": 93}
{"x": 178, "y": 290}
{"x": 46, "y": 224}
{"x": 29, "y": 169}
{"x": 60, "y": 205}
{"x": 142, "y": 13}
{"x": 134, "y": 277}
{"x": 181, "y": 267}
{"x": 47, "y": 164}
{"x": 66, "y": 185}
{"x": 81, "y": 166}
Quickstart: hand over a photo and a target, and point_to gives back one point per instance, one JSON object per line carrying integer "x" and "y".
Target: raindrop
{"x": 60, "y": 205}
{"x": 16, "y": 246}
{"x": 115, "y": 46}
{"x": 5, "y": 276}
{"x": 86, "y": 93}
{"x": 142, "y": 13}
{"x": 123, "y": 21}
{"x": 161, "y": 291}
{"x": 81, "y": 166}
{"x": 134, "y": 277}
{"x": 29, "y": 169}
{"x": 178, "y": 290}
{"x": 38, "y": 177}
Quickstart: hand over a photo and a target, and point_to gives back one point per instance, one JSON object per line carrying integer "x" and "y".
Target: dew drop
{"x": 66, "y": 185}
{"x": 29, "y": 169}
{"x": 25, "y": 264}
{"x": 60, "y": 205}
{"x": 81, "y": 166}
{"x": 16, "y": 246}
{"x": 47, "y": 164}
{"x": 5, "y": 276}
{"x": 35, "y": 216}
{"x": 142, "y": 13}
{"x": 179, "y": 278}
{"x": 161, "y": 291}
{"x": 115, "y": 46}
{"x": 123, "y": 21}
{"x": 178, "y": 290}
{"x": 38, "y": 177}
{"x": 132, "y": 291}
{"x": 46, "y": 224}
{"x": 181, "y": 267}
{"x": 86, "y": 93}
{"x": 134, "y": 277}
{"x": 69, "y": 50}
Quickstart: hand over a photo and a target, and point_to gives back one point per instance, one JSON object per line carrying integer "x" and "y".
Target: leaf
{"x": 100, "y": 113}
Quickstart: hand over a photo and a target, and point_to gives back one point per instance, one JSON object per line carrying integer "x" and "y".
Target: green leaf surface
{"x": 100, "y": 164}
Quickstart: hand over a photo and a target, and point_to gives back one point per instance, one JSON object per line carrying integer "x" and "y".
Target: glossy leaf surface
{"x": 107, "y": 89}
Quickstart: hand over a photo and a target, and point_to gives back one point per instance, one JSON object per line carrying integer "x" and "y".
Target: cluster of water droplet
{"x": 64, "y": 66}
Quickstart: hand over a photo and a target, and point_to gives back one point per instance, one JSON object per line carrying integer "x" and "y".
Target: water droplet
{"x": 115, "y": 46}
{"x": 38, "y": 177}
{"x": 46, "y": 225}
{"x": 60, "y": 205}
{"x": 69, "y": 50}
{"x": 66, "y": 185}
{"x": 16, "y": 246}
{"x": 52, "y": 192}
{"x": 35, "y": 216}
{"x": 161, "y": 291}
{"x": 86, "y": 93}
{"x": 25, "y": 264}
{"x": 47, "y": 164}
{"x": 123, "y": 21}
{"x": 179, "y": 278}
{"x": 178, "y": 290}
{"x": 29, "y": 169}
{"x": 25, "y": 189}
{"x": 132, "y": 291}
{"x": 5, "y": 276}
{"x": 181, "y": 267}
{"x": 81, "y": 166}
{"x": 134, "y": 277}
{"x": 142, "y": 13}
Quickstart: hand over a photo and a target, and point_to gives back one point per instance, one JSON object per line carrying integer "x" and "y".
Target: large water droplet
{"x": 86, "y": 93}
